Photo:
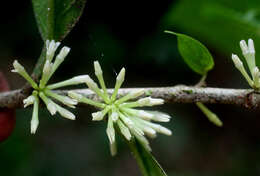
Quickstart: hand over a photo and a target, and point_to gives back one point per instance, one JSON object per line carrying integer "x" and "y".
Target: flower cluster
{"x": 44, "y": 91}
{"x": 122, "y": 113}
{"x": 248, "y": 51}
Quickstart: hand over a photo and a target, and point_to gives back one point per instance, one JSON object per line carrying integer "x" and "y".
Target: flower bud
{"x": 237, "y": 61}
{"x": 75, "y": 95}
{"x": 251, "y": 47}
{"x": 97, "y": 67}
{"x": 244, "y": 47}
{"x": 80, "y": 79}
{"x": 63, "y": 53}
{"x": 110, "y": 131}
{"x": 148, "y": 101}
{"x": 91, "y": 84}
{"x": 28, "y": 101}
{"x": 97, "y": 116}
{"x": 65, "y": 113}
{"x": 34, "y": 125}
{"x": 124, "y": 130}
{"x": 52, "y": 107}
{"x": 18, "y": 67}
{"x": 51, "y": 47}
{"x": 114, "y": 116}
{"x": 121, "y": 76}
{"x": 47, "y": 67}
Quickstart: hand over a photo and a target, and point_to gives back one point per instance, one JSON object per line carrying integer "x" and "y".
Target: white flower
{"x": 44, "y": 91}
{"x": 121, "y": 113}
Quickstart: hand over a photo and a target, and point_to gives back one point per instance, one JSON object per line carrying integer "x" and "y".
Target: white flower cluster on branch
{"x": 44, "y": 91}
{"x": 122, "y": 112}
{"x": 248, "y": 51}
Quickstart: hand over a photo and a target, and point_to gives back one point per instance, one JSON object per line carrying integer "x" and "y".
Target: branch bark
{"x": 247, "y": 98}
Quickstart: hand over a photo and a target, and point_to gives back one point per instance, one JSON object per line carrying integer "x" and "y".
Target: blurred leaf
{"x": 56, "y": 18}
{"x": 147, "y": 163}
{"x": 220, "y": 23}
{"x": 195, "y": 54}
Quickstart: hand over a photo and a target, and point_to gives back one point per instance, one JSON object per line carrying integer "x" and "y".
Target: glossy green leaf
{"x": 195, "y": 54}
{"x": 56, "y": 18}
{"x": 147, "y": 163}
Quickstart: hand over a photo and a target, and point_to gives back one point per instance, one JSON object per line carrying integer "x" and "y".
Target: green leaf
{"x": 194, "y": 53}
{"x": 214, "y": 21}
{"x": 147, "y": 163}
{"x": 56, "y": 18}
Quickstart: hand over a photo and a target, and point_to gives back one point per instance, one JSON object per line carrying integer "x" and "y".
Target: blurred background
{"x": 130, "y": 34}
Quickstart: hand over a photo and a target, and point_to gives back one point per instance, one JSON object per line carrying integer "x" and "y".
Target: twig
{"x": 177, "y": 94}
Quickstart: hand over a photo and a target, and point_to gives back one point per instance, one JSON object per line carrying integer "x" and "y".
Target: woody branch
{"x": 247, "y": 98}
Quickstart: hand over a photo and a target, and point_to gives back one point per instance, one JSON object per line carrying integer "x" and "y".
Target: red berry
{"x": 7, "y": 123}
{"x": 7, "y": 116}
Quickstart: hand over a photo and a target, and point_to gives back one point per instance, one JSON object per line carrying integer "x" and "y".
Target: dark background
{"x": 130, "y": 34}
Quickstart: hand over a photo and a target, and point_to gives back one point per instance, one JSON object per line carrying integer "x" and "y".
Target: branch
{"x": 178, "y": 94}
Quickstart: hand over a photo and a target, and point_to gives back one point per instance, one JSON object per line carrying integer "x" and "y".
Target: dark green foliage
{"x": 56, "y": 18}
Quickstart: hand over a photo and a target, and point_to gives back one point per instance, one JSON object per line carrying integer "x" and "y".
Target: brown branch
{"x": 177, "y": 94}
